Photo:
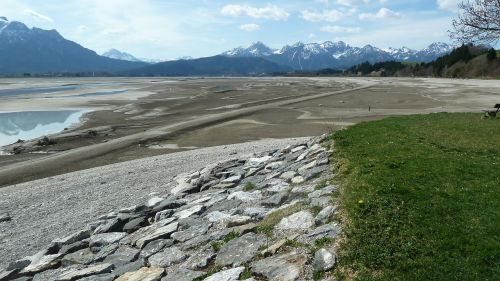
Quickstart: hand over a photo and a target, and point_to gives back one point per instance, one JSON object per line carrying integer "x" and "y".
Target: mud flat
{"x": 160, "y": 116}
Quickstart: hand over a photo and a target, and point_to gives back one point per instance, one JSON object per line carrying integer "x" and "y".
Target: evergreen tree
{"x": 492, "y": 54}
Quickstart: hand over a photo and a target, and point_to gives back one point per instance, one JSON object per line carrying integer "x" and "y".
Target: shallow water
{"x": 28, "y": 125}
{"x": 37, "y": 90}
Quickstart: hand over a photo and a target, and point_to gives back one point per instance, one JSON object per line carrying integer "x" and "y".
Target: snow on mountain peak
{"x": 3, "y": 19}
{"x": 116, "y": 54}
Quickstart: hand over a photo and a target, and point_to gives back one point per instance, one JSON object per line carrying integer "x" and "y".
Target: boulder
{"x": 240, "y": 250}
{"x": 323, "y": 260}
{"x": 285, "y": 267}
{"x": 167, "y": 257}
{"x": 183, "y": 275}
{"x": 302, "y": 220}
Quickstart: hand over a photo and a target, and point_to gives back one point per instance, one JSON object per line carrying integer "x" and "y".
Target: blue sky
{"x": 164, "y": 29}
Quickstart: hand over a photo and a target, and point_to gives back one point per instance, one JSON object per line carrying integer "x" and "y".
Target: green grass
{"x": 249, "y": 187}
{"x": 420, "y": 198}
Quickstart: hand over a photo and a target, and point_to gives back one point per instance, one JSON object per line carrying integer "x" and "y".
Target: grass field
{"x": 420, "y": 198}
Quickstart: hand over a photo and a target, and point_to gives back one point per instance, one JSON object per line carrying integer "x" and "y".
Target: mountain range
{"x": 37, "y": 51}
{"x": 337, "y": 55}
{"x": 34, "y": 50}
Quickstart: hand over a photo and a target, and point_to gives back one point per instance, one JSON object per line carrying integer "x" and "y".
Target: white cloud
{"x": 352, "y": 3}
{"x": 448, "y": 4}
{"x": 340, "y": 29}
{"x": 270, "y": 12}
{"x": 37, "y": 15}
{"x": 383, "y": 13}
{"x": 326, "y": 15}
{"x": 250, "y": 27}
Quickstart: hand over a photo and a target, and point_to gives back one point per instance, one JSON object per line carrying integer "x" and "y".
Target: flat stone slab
{"x": 232, "y": 274}
{"x": 302, "y": 220}
{"x": 285, "y": 267}
{"x": 167, "y": 257}
{"x": 91, "y": 270}
{"x": 183, "y": 275}
{"x": 240, "y": 250}
{"x": 143, "y": 274}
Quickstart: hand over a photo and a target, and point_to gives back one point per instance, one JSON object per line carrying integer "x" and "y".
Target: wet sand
{"x": 158, "y": 116}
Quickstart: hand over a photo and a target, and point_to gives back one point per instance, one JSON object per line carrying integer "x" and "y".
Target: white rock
{"x": 232, "y": 274}
{"x": 143, "y": 274}
{"x": 323, "y": 260}
{"x": 288, "y": 175}
{"x": 324, "y": 214}
{"x": 154, "y": 201}
{"x": 246, "y": 196}
{"x": 189, "y": 212}
{"x": 256, "y": 161}
{"x": 232, "y": 179}
{"x": 217, "y": 216}
{"x": 299, "y": 221}
{"x": 298, "y": 180}
{"x": 298, "y": 148}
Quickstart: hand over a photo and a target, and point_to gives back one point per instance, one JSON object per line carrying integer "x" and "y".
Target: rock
{"x": 271, "y": 250}
{"x": 154, "y": 201}
{"x": 111, "y": 225}
{"x": 303, "y": 189}
{"x": 201, "y": 259}
{"x": 321, "y": 201}
{"x": 237, "y": 220}
{"x": 135, "y": 224}
{"x": 275, "y": 200}
{"x": 100, "y": 240}
{"x": 288, "y": 176}
{"x": 323, "y": 260}
{"x": 298, "y": 180}
{"x": 195, "y": 210}
{"x": 240, "y": 250}
{"x": 325, "y": 231}
{"x": 190, "y": 233}
{"x": 298, "y": 148}
{"x": 246, "y": 196}
{"x": 232, "y": 274}
{"x": 73, "y": 238}
{"x": 100, "y": 277}
{"x": 143, "y": 274}
{"x": 285, "y": 267}
{"x": 129, "y": 267}
{"x": 105, "y": 251}
{"x": 42, "y": 263}
{"x": 233, "y": 179}
{"x": 258, "y": 160}
{"x": 162, "y": 232}
{"x": 89, "y": 271}
{"x": 4, "y": 217}
{"x": 162, "y": 215}
{"x": 154, "y": 247}
{"x": 82, "y": 257}
{"x": 324, "y": 215}
{"x": 124, "y": 254}
{"x": 299, "y": 221}
{"x": 217, "y": 216}
{"x": 167, "y": 257}
{"x": 8, "y": 274}
{"x": 256, "y": 212}
{"x": 274, "y": 165}
{"x": 183, "y": 275}
{"x": 183, "y": 187}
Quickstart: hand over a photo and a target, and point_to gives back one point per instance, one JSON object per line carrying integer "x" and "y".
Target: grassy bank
{"x": 421, "y": 198}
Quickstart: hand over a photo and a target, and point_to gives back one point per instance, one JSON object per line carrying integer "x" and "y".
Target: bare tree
{"x": 477, "y": 22}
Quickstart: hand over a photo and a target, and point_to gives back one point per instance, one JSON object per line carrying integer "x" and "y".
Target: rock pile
{"x": 263, "y": 217}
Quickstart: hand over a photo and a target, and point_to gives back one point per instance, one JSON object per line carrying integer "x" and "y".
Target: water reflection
{"x": 32, "y": 124}
{"x": 26, "y": 91}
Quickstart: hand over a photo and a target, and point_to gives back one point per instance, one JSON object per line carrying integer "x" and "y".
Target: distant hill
{"x": 38, "y": 51}
{"x": 211, "y": 66}
{"x": 336, "y": 55}
{"x": 467, "y": 61}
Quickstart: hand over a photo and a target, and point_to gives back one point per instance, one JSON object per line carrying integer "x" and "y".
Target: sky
{"x": 165, "y": 29}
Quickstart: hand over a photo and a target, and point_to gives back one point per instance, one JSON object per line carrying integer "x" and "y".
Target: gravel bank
{"x": 45, "y": 209}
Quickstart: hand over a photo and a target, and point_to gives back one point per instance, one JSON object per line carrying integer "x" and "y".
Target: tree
{"x": 477, "y": 22}
{"x": 492, "y": 54}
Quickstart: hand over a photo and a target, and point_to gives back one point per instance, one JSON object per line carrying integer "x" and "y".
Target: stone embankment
{"x": 265, "y": 217}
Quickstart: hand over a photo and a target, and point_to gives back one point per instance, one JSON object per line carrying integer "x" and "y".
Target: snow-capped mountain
{"x": 115, "y": 54}
{"x": 35, "y": 50}
{"x": 257, "y": 49}
{"x": 313, "y": 56}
